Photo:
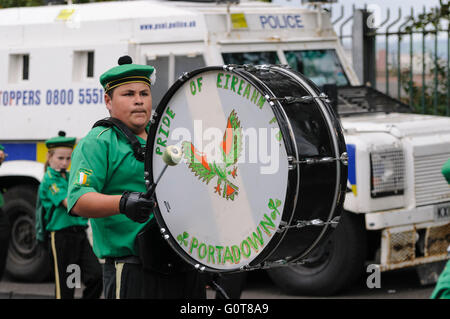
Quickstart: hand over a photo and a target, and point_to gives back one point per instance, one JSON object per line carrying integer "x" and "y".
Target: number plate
{"x": 442, "y": 212}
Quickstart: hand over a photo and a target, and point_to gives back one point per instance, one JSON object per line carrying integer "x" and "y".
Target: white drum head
{"x": 224, "y": 201}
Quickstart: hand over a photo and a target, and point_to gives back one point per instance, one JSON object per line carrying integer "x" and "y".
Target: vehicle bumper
{"x": 412, "y": 237}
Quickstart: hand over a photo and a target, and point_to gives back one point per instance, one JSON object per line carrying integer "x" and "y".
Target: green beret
{"x": 60, "y": 141}
{"x": 446, "y": 171}
{"x": 126, "y": 72}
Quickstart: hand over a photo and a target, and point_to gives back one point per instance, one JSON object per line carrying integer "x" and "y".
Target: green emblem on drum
{"x": 231, "y": 148}
{"x": 274, "y": 206}
{"x": 182, "y": 238}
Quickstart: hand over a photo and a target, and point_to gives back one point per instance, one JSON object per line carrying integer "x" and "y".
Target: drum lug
{"x": 230, "y": 67}
{"x": 303, "y": 99}
{"x": 271, "y": 264}
{"x": 199, "y": 267}
{"x": 291, "y": 161}
{"x": 184, "y": 76}
{"x": 311, "y": 161}
{"x": 291, "y": 99}
{"x": 314, "y": 222}
{"x": 249, "y": 67}
{"x": 153, "y": 119}
{"x": 281, "y": 227}
{"x": 344, "y": 158}
{"x": 285, "y": 66}
{"x": 264, "y": 67}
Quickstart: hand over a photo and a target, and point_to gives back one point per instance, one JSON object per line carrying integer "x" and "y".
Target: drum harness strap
{"x": 138, "y": 150}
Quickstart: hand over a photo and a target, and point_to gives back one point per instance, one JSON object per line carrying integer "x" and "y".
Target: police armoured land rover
{"x": 396, "y": 211}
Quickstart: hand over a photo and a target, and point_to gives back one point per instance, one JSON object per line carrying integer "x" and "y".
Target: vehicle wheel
{"x": 27, "y": 261}
{"x": 331, "y": 267}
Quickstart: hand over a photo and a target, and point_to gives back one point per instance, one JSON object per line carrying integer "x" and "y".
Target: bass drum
{"x": 263, "y": 175}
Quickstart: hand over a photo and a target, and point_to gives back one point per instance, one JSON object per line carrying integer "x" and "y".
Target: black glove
{"x": 136, "y": 207}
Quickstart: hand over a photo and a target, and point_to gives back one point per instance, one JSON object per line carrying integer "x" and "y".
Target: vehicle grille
{"x": 430, "y": 184}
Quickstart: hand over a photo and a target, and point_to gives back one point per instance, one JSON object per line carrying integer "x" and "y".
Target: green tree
{"x": 433, "y": 95}
{"x": 33, "y": 3}
{"x": 20, "y": 3}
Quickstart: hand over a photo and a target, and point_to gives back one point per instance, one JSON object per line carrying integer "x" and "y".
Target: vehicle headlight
{"x": 387, "y": 172}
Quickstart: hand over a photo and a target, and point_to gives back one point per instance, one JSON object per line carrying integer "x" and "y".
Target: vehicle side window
{"x": 19, "y": 68}
{"x": 321, "y": 66}
{"x": 254, "y": 58}
{"x": 179, "y": 64}
{"x": 187, "y": 63}
{"x": 161, "y": 85}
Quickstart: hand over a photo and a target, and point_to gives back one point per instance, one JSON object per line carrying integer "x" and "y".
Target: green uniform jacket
{"x": 446, "y": 170}
{"x": 103, "y": 162}
{"x": 442, "y": 289}
{"x": 52, "y": 191}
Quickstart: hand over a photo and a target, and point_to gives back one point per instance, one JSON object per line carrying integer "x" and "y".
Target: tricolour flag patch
{"x": 84, "y": 177}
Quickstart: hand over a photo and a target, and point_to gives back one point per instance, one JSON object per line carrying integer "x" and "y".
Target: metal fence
{"x": 412, "y": 58}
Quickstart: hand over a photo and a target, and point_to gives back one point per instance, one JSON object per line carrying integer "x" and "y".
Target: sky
{"x": 378, "y": 6}
{"x": 393, "y": 4}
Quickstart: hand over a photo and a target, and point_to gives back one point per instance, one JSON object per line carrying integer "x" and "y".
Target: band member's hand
{"x": 136, "y": 207}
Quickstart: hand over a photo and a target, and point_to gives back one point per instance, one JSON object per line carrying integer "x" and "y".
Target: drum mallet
{"x": 171, "y": 156}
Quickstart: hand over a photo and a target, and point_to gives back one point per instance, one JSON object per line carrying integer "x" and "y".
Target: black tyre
{"x": 331, "y": 267}
{"x": 27, "y": 261}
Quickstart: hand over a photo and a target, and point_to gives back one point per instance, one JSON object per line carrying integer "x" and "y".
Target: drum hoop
{"x": 325, "y": 113}
{"x": 289, "y": 144}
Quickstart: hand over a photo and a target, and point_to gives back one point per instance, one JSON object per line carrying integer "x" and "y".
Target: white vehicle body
{"x": 417, "y": 146}
{"x": 60, "y": 92}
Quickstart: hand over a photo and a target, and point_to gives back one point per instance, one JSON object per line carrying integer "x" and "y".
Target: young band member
{"x": 69, "y": 244}
{"x": 108, "y": 186}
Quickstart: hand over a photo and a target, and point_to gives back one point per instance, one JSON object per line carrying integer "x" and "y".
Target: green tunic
{"x": 103, "y": 162}
{"x": 52, "y": 191}
{"x": 442, "y": 289}
{"x": 446, "y": 170}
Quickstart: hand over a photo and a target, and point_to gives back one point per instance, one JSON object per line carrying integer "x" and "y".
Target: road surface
{"x": 401, "y": 284}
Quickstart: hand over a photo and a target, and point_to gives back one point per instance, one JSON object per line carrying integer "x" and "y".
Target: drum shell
{"x": 321, "y": 192}
{"x": 313, "y": 191}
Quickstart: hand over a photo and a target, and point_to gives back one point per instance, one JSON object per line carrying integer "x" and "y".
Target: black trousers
{"x": 5, "y": 232}
{"x": 124, "y": 280}
{"x": 71, "y": 249}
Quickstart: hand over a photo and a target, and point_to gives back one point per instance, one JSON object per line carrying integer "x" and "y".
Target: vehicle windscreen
{"x": 320, "y": 66}
{"x": 254, "y": 58}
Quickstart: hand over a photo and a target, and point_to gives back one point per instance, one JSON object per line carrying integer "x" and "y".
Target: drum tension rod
{"x": 309, "y": 161}
{"x": 272, "y": 264}
{"x": 315, "y": 222}
{"x": 302, "y": 99}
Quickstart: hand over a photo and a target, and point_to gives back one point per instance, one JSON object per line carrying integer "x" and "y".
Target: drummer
{"x": 108, "y": 184}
